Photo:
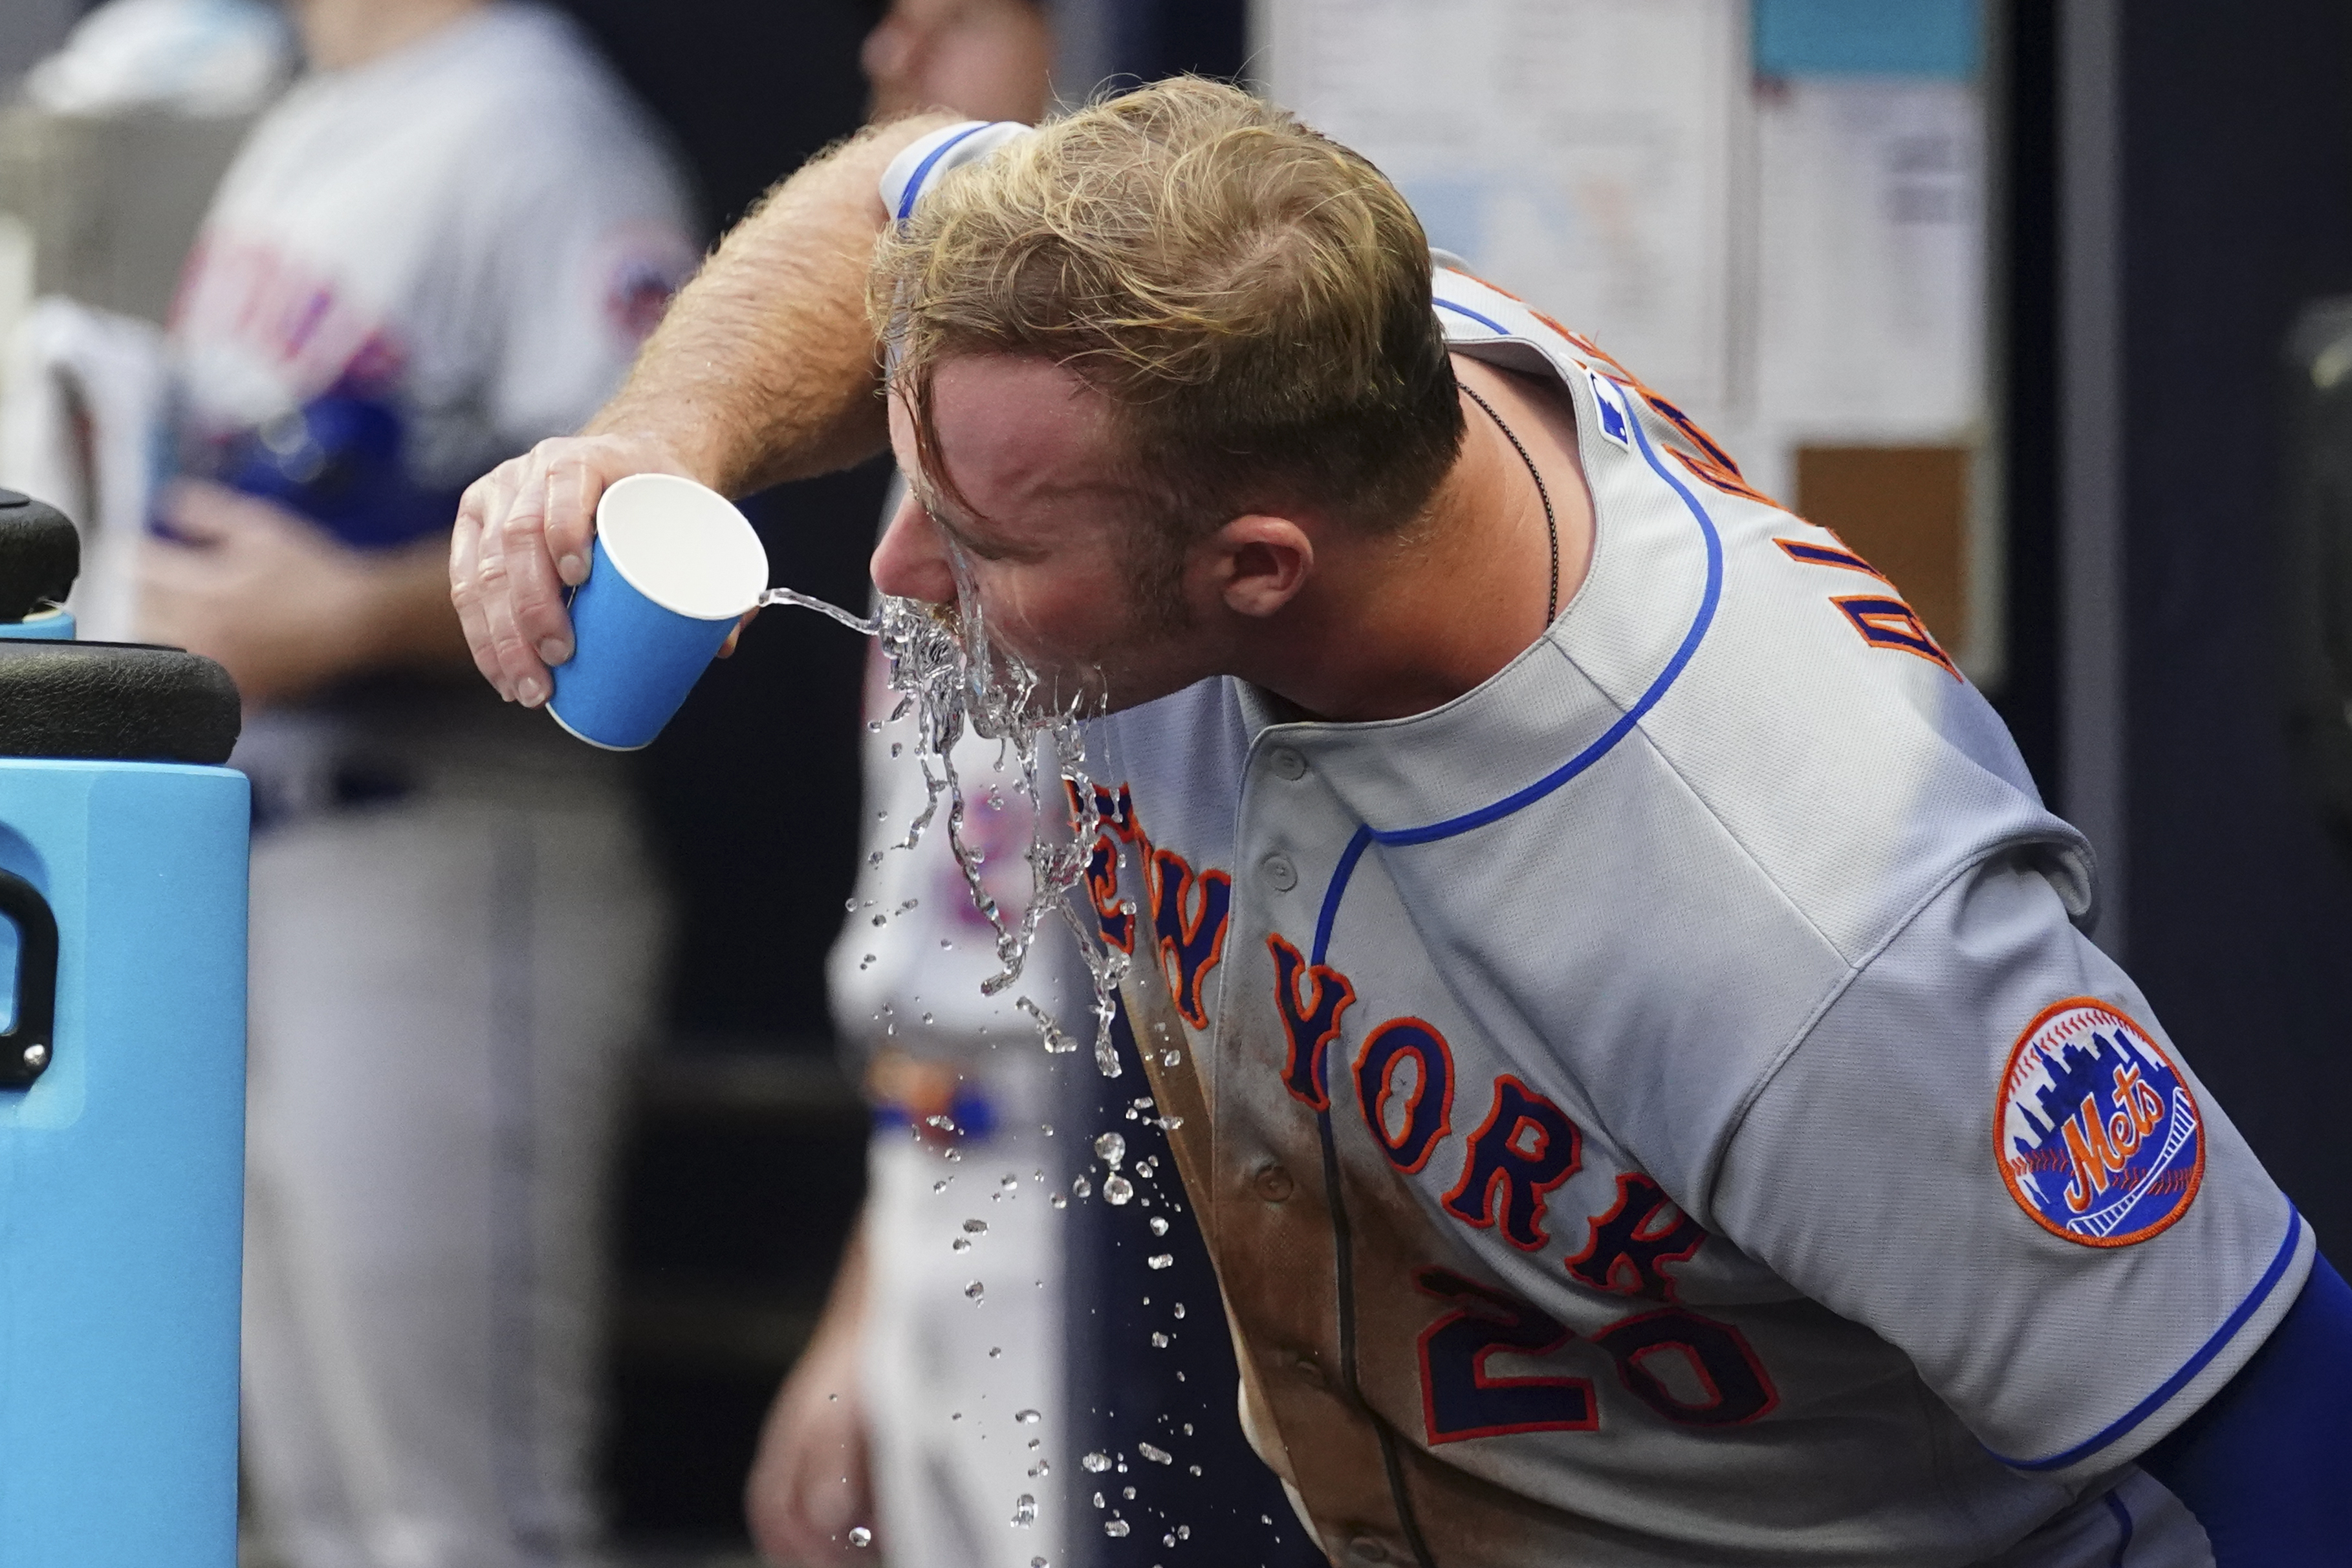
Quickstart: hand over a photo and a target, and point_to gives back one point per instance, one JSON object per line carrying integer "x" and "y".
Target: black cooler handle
{"x": 27, "y": 1045}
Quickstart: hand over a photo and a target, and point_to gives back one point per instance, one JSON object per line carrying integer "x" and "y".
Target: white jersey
{"x": 473, "y": 234}
{"x": 1657, "y": 1108}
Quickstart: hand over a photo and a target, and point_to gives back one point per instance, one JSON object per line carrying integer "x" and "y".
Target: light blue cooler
{"x": 122, "y": 885}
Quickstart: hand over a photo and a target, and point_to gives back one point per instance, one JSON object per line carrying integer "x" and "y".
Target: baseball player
{"x": 444, "y": 243}
{"x": 1639, "y": 1072}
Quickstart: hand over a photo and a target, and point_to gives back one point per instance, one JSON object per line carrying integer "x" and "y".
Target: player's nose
{"x": 911, "y": 561}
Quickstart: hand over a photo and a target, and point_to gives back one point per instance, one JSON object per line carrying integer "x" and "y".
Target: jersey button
{"x": 1272, "y": 1182}
{"x": 1286, "y": 763}
{"x": 1279, "y": 872}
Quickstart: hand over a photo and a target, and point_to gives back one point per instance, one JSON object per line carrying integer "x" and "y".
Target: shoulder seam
{"x": 1856, "y": 969}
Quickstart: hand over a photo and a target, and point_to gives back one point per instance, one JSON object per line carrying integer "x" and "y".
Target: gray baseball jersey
{"x": 1658, "y": 1106}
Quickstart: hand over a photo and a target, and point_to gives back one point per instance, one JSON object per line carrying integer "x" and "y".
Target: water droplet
{"x": 927, "y": 1018}
{"x": 1196, "y": 1469}
{"x": 1159, "y": 1340}
{"x": 1158, "y": 1456}
{"x": 1027, "y": 1417}
{"x": 1096, "y": 1462}
{"x": 976, "y": 1290}
{"x": 941, "y": 1185}
{"x": 881, "y": 919}
{"x": 1170, "y": 1123}
{"x": 860, "y": 1536}
{"x": 1188, "y": 1428}
{"x": 898, "y": 749}
{"x": 1117, "y": 1189}
{"x": 1025, "y": 1509}
{"x": 1060, "y": 1202}
{"x": 1084, "y": 1188}
{"x": 1180, "y": 1309}
{"x": 1184, "y": 1531}
{"x": 850, "y": 905}
{"x": 1170, "y": 1056}
{"x": 1110, "y": 1149}
{"x": 1160, "y": 1259}
{"x": 1114, "y": 1527}
{"x": 1126, "y": 1492}
{"x": 1159, "y": 1226}
{"x": 1008, "y": 1181}
{"x": 1098, "y": 1501}
{"x": 961, "y": 1244}
{"x": 996, "y": 1351}
{"x": 975, "y": 1227}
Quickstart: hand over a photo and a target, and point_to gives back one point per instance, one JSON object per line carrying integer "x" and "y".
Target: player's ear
{"x": 1261, "y": 562}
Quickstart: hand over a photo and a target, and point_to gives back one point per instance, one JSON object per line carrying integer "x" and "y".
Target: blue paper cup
{"x": 676, "y": 566}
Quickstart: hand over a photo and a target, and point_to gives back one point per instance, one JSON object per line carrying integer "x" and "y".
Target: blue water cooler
{"x": 122, "y": 885}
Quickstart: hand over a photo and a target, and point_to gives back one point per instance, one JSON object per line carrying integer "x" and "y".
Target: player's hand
{"x": 522, "y": 539}
{"x": 280, "y": 603}
{"x": 809, "y": 1485}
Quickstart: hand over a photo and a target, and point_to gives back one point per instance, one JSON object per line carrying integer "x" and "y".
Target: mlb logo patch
{"x": 1616, "y": 423}
{"x": 2095, "y": 1130}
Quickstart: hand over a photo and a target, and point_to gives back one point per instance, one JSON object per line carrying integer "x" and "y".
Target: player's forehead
{"x": 1020, "y": 444}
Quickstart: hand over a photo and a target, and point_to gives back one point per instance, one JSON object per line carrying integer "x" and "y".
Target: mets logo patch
{"x": 2097, "y": 1133}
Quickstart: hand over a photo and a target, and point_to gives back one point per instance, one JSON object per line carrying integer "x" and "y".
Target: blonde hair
{"x": 1253, "y": 298}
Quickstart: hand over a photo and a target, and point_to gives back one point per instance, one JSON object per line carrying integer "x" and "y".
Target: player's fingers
{"x": 465, "y": 539}
{"x": 511, "y": 548}
{"x": 574, "y": 486}
{"x": 476, "y": 580}
{"x": 535, "y": 593}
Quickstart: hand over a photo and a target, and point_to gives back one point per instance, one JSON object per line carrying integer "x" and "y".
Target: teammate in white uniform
{"x": 1640, "y": 1076}
{"x": 444, "y": 243}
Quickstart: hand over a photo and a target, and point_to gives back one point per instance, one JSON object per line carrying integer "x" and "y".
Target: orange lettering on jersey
{"x": 1310, "y": 1022}
{"x": 1115, "y": 818}
{"x": 1428, "y": 1105}
{"x": 1840, "y": 556}
{"x": 1632, "y": 1242}
{"x": 1188, "y": 915}
{"x": 1710, "y": 463}
{"x": 1885, "y": 622}
{"x": 2094, "y": 1152}
{"x": 1527, "y": 1147}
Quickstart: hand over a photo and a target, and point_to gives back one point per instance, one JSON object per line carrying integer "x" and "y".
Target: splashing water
{"x": 951, "y": 678}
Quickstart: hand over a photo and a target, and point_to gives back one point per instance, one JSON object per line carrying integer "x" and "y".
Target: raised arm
{"x": 764, "y": 370}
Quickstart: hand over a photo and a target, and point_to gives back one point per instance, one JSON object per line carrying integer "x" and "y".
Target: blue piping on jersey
{"x": 923, "y": 170}
{"x": 2123, "y": 1522}
{"x": 2195, "y": 1365}
{"x": 1583, "y": 759}
{"x": 1487, "y": 321}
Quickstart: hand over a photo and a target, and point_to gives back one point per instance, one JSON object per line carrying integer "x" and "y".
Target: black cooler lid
{"x": 40, "y": 554}
{"x": 115, "y": 701}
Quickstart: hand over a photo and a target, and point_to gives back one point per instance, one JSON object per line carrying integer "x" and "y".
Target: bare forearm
{"x": 765, "y": 368}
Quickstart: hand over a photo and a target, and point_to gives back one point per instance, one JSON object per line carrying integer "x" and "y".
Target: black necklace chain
{"x": 1551, "y": 523}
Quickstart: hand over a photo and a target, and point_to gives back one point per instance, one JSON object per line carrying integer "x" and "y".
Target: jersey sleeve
{"x": 1987, "y": 1150}
{"x": 922, "y": 162}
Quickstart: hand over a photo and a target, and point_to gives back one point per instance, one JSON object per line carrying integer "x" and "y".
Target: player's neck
{"x": 340, "y": 33}
{"x": 1395, "y": 627}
